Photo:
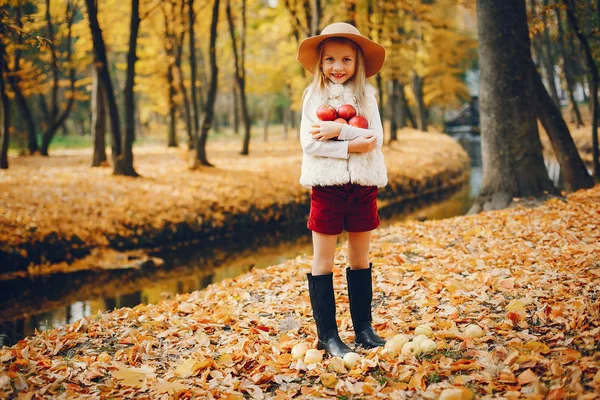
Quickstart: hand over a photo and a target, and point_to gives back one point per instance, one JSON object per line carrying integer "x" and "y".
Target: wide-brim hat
{"x": 374, "y": 52}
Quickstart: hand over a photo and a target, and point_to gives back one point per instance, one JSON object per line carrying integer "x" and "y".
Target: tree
{"x": 14, "y": 79}
{"x": 178, "y": 44}
{"x": 212, "y": 93}
{"x": 594, "y": 81}
{"x": 5, "y": 127}
{"x": 101, "y": 65}
{"x": 55, "y": 119}
{"x": 193, "y": 68}
{"x": 572, "y": 167}
{"x": 567, "y": 69}
{"x": 240, "y": 70}
{"x": 170, "y": 49}
{"x": 125, "y": 160}
{"x": 513, "y": 164}
{"x": 98, "y": 106}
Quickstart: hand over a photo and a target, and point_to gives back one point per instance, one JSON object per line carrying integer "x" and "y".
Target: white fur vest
{"x": 329, "y": 163}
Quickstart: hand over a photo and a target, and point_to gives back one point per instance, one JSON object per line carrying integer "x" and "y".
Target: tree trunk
{"x": 98, "y": 121}
{"x": 172, "y": 135}
{"x": 284, "y": 122}
{"x": 240, "y": 72}
{"x": 101, "y": 63}
{"x": 212, "y": 93}
{"x": 308, "y": 15}
{"x": 5, "y": 128}
{"x": 14, "y": 81}
{"x": 575, "y": 114}
{"x": 178, "y": 45}
{"x": 549, "y": 58}
{"x": 417, "y": 87}
{"x": 171, "y": 51}
{"x": 572, "y": 167}
{"x": 317, "y": 11}
{"x": 56, "y": 120}
{"x": 513, "y": 165}
{"x": 235, "y": 113}
{"x": 266, "y": 119}
{"x": 125, "y": 161}
{"x": 193, "y": 69}
{"x": 404, "y": 104}
{"x": 392, "y": 99}
{"x": 595, "y": 81}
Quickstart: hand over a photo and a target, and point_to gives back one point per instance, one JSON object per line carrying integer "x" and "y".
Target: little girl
{"x": 344, "y": 166}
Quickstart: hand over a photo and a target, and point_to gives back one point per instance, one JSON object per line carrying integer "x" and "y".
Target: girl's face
{"x": 339, "y": 62}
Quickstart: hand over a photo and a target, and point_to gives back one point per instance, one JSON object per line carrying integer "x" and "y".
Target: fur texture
{"x": 366, "y": 169}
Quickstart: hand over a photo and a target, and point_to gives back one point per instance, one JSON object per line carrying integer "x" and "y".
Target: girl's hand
{"x": 326, "y": 130}
{"x": 362, "y": 144}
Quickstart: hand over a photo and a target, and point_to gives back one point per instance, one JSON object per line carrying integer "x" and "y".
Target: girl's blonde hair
{"x": 358, "y": 81}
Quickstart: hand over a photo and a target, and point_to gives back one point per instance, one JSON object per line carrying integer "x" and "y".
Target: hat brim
{"x": 374, "y": 53}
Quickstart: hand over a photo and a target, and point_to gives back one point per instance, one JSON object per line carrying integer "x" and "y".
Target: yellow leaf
{"x": 135, "y": 377}
{"x": 537, "y": 346}
{"x": 527, "y": 376}
{"x": 192, "y": 367}
{"x": 168, "y": 387}
{"x": 516, "y": 305}
{"x": 329, "y": 380}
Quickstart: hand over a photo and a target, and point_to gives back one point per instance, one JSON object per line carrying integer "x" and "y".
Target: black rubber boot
{"x": 360, "y": 293}
{"x": 320, "y": 288}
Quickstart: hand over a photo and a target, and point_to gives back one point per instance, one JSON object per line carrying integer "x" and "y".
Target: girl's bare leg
{"x": 359, "y": 244}
{"x": 323, "y": 253}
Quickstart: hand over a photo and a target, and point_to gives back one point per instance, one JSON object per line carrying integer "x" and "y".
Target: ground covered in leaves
{"x": 59, "y": 209}
{"x": 529, "y": 277}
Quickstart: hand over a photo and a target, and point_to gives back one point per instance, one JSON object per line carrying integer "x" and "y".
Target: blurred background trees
{"x": 172, "y": 71}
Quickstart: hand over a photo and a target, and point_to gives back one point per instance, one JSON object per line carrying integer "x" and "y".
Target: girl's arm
{"x": 350, "y": 132}
{"x": 310, "y": 146}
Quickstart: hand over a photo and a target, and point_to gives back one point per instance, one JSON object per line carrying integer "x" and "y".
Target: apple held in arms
{"x": 359, "y": 122}
{"x": 326, "y": 113}
{"x": 346, "y": 111}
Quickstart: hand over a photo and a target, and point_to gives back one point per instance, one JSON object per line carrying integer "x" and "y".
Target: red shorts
{"x": 350, "y": 207}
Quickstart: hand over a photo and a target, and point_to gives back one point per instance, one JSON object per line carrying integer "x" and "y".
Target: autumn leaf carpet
{"x": 529, "y": 277}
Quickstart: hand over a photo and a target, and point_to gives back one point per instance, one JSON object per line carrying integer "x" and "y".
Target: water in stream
{"x": 47, "y": 302}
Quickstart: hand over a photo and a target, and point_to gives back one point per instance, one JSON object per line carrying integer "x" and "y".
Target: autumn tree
{"x": 5, "y": 127}
{"x": 594, "y": 80}
{"x": 193, "y": 67}
{"x": 56, "y": 119}
{"x": 572, "y": 167}
{"x": 513, "y": 165}
{"x": 98, "y": 106}
{"x": 567, "y": 67}
{"x": 125, "y": 160}
{"x": 239, "y": 53}
{"x": 15, "y": 78}
{"x": 201, "y": 158}
{"x": 101, "y": 65}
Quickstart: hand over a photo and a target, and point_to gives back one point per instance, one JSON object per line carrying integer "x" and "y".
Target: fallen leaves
{"x": 234, "y": 339}
{"x": 134, "y": 377}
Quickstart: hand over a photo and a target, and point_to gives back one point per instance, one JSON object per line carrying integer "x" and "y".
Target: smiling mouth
{"x": 338, "y": 75}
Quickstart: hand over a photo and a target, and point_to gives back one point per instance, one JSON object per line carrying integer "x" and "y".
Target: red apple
{"x": 326, "y": 113}
{"x": 346, "y": 111}
{"x": 341, "y": 121}
{"x": 359, "y": 122}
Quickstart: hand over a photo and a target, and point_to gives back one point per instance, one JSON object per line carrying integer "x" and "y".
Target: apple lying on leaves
{"x": 341, "y": 121}
{"x": 326, "y": 113}
{"x": 346, "y": 111}
{"x": 359, "y": 122}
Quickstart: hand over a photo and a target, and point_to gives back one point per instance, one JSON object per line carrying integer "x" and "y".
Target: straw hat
{"x": 373, "y": 51}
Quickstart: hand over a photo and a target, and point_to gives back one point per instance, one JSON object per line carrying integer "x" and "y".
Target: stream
{"x": 47, "y": 302}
